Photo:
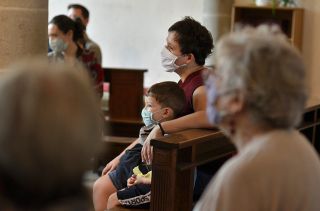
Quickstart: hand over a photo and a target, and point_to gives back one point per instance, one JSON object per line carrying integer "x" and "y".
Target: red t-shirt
{"x": 192, "y": 82}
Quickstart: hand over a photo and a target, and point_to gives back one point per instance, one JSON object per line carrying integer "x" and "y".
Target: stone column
{"x": 23, "y": 29}
{"x": 217, "y": 18}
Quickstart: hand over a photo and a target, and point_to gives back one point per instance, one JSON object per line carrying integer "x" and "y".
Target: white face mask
{"x": 168, "y": 60}
{"x": 58, "y": 45}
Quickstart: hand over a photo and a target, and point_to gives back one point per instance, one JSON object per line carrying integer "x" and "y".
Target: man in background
{"x": 78, "y": 11}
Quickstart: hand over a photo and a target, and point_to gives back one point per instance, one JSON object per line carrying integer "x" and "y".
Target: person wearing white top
{"x": 257, "y": 95}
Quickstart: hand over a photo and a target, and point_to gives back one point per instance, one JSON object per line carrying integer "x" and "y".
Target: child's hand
{"x": 143, "y": 180}
{"x": 147, "y": 149}
{"x": 131, "y": 181}
{"x": 111, "y": 165}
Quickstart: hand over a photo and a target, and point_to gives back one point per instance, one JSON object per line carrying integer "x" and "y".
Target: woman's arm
{"x": 198, "y": 119}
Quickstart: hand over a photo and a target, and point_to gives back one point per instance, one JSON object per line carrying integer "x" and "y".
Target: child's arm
{"x": 134, "y": 180}
{"x": 114, "y": 163}
{"x": 143, "y": 180}
{"x": 198, "y": 119}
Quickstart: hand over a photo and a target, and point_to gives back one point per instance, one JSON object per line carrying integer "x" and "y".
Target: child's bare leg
{"x": 102, "y": 189}
{"x": 113, "y": 201}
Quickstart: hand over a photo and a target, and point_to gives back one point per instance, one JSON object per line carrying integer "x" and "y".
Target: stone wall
{"x": 23, "y": 29}
{"x": 217, "y": 18}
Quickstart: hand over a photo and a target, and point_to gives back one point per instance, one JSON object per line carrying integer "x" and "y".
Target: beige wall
{"x": 131, "y": 33}
{"x": 23, "y": 29}
{"x": 311, "y": 42}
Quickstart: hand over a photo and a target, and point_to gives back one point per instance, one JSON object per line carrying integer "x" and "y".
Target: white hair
{"x": 268, "y": 70}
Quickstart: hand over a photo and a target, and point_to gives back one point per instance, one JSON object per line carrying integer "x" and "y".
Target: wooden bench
{"x": 125, "y": 92}
{"x": 122, "y": 127}
{"x": 175, "y": 158}
{"x": 125, "y": 101}
{"x": 125, "y": 209}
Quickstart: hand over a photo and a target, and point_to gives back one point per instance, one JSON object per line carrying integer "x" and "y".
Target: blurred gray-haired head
{"x": 268, "y": 70}
{"x": 49, "y": 128}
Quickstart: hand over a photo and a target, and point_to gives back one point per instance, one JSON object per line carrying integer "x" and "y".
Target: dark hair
{"x": 169, "y": 94}
{"x": 84, "y": 11}
{"x": 193, "y": 38}
{"x": 65, "y": 24}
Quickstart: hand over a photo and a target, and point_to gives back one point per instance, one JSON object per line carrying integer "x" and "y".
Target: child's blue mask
{"x": 147, "y": 117}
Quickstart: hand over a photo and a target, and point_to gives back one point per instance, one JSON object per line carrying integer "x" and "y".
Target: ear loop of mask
{"x": 168, "y": 60}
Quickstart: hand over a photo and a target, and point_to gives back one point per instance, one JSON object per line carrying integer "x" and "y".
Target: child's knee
{"x": 98, "y": 184}
{"x": 103, "y": 185}
{"x": 113, "y": 201}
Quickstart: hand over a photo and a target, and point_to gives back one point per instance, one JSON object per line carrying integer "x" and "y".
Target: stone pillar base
{"x": 24, "y": 29}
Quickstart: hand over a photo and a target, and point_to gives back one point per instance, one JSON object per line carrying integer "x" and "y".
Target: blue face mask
{"x": 147, "y": 117}
{"x": 213, "y": 115}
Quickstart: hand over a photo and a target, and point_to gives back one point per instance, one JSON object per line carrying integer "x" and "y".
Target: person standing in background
{"x": 79, "y": 11}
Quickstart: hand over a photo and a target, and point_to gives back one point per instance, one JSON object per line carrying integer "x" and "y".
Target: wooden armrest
{"x": 186, "y": 138}
{"x": 204, "y": 145}
{"x": 175, "y": 157}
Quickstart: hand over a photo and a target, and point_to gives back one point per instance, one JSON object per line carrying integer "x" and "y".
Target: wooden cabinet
{"x": 310, "y": 125}
{"x": 289, "y": 19}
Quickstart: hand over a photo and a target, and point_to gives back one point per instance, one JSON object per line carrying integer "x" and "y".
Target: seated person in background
{"x": 164, "y": 101}
{"x": 50, "y": 126}
{"x": 79, "y": 11}
{"x": 66, "y": 41}
{"x": 257, "y": 96}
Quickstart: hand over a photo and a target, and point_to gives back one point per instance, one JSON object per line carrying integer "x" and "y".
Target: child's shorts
{"x": 137, "y": 196}
{"x": 128, "y": 161}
